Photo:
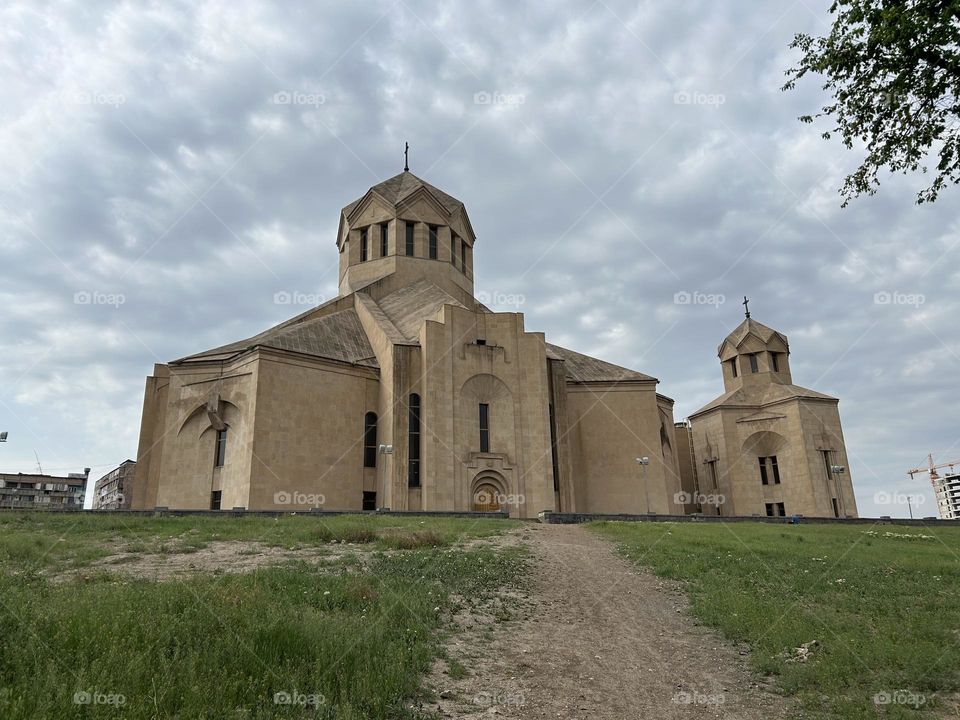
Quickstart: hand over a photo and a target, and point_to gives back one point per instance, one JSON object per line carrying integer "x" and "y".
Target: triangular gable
{"x": 358, "y": 209}
{"x": 751, "y": 334}
{"x": 423, "y": 193}
{"x": 464, "y": 220}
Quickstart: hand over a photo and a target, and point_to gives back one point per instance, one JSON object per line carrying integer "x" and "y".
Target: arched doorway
{"x": 489, "y": 494}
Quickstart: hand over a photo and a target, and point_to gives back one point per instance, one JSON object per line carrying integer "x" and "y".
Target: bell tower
{"x": 754, "y": 354}
{"x": 404, "y": 230}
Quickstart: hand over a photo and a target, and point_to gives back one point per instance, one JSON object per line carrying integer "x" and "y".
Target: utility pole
{"x": 643, "y": 462}
{"x": 384, "y": 451}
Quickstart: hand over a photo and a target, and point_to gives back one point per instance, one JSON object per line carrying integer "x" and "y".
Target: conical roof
{"x": 395, "y": 189}
{"x": 750, "y": 327}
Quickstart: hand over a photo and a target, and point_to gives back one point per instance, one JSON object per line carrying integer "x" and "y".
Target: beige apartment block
{"x": 45, "y": 492}
{"x": 767, "y": 446}
{"x": 477, "y": 412}
{"x": 112, "y": 491}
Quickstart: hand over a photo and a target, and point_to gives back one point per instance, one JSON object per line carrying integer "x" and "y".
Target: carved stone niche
{"x": 490, "y": 469}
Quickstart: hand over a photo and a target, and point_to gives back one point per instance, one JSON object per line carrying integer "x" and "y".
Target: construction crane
{"x": 947, "y": 500}
{"x": 932, "y": 469}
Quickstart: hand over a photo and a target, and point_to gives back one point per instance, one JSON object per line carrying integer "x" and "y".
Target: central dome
{"x": 396, "y": 189}
{"x": 404, "y": 230}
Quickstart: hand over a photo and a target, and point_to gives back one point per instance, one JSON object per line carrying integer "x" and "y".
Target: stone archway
{"x": 488, "y": 493}
{"x": 765, "y": 442}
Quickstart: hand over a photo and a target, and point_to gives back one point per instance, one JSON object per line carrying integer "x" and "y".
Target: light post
{"x": 3, "y": 436}
{"x": 643, "y": 462}
{"x": 910, "y": 505}
{"x": 383, "y": 450}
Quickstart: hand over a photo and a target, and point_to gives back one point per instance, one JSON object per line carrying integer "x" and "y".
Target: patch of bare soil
{"x": 598, "y": 638}
{"x": 218, "y": 556}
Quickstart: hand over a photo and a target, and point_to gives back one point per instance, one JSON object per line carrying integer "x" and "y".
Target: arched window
{"x": 413, "y": 433}
{"x": 370, "y": 440}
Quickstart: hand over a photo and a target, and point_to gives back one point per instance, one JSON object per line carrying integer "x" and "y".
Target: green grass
{"x": 456, "y": 670}
{"x": 883, "y": 603}
{"x": 223, "y": 646}
{"x": 55, "y": 541}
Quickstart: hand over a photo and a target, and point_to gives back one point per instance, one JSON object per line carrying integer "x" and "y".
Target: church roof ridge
{"x": 772, "y": 394}
{"x": 585, "y": 368}
{"x": 336, "y": 335}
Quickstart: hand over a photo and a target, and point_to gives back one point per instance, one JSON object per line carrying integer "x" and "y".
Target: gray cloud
{"x": 629, "y": 152}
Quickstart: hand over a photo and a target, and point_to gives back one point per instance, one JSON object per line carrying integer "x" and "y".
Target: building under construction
{"x": 948, "y": 496}
{"x": 946, "y": 488}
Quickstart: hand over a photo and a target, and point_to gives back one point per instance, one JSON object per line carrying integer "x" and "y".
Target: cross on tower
{"x": 746, "y": 306}
{"x": 406, "y": 159}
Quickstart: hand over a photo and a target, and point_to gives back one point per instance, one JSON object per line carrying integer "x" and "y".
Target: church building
{"x": 767, "y": 446}
{"x": 405, "y": 392}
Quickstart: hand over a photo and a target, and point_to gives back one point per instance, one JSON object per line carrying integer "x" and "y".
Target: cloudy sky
{"x": 168, "y": 169}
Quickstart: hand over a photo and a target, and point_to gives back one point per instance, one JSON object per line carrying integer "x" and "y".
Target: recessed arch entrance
{"x": 488, "y": 492}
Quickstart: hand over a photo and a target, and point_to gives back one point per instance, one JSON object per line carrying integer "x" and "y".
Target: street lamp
{"x": 3, "y": 436}
{"x": 643, "y": 462}
{"x": 383, "y": 450}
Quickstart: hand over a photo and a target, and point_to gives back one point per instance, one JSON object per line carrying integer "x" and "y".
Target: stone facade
{"x": 405, "y": 392}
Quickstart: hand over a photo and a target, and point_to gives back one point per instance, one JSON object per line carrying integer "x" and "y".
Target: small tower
{"x": 754, "y": 354}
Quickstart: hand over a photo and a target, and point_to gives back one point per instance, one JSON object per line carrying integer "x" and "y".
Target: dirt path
{"x": 598, "y": 638}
